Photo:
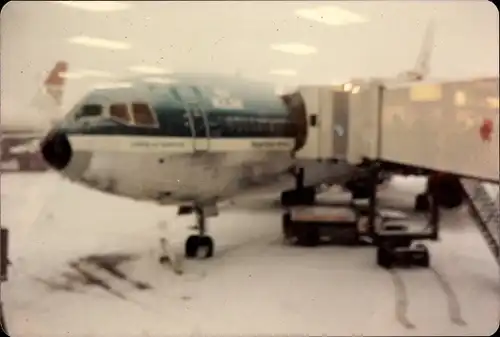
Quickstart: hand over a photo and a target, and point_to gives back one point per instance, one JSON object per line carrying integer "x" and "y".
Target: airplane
{"x": 20, "y": 136}
{"x": 185, "y": 139}
{"x": 197, "y": 141}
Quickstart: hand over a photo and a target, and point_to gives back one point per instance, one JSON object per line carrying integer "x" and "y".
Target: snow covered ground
{"x": 254, "y": 284}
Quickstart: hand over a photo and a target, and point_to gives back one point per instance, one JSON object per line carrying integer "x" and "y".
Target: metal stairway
{"x": 485, "y": 210}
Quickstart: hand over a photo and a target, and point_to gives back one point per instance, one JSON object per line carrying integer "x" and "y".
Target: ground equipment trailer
{"x": 445, "y": 129}
{"x": 312, "y": 225}
{"x": 363, "y": 222}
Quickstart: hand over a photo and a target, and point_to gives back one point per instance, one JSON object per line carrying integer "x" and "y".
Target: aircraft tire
{"x": 447, "y": 190}
{"x": 195, "y": 243}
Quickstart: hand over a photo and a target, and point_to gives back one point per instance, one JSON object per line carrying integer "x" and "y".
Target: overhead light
{"x": 95, "y": 6}
{"x": 493, "y": 102}
{"x": 98, "y": 42}
{"x": 294, "y": 48}
{"x": 86, "y": 73}
{"x": 330, "y": 15}
{"x": 112, "y": 85}
{"x": 148, "y": 70}
{"x": 283, "y": 72}
{"x": 159, "y": 80}
{"x": 356, "y": 89}
{"x": 348, "y": 87}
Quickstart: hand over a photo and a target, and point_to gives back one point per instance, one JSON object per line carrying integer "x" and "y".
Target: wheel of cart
{"x": 393, "y": 251}
{"x": 385, "y": 258}
{"x": 392, "y": 245}
{"x": 420, "y": 255}
{"x": 390, "y": 252}
{"x": 300, "y": 233}
{"x": 307, "y": 234}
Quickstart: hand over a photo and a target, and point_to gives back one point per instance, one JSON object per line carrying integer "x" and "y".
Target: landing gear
{"x": 447, "y": 190}
{"x": 196, "y": 246}
{"x": 201, "y": 245}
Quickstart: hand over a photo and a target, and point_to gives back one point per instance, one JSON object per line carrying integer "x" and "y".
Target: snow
{"x": 254, "y": 284}
{"x": 492, "y": 190}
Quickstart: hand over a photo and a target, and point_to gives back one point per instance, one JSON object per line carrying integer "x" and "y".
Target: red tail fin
{"x": 54, "y": 83}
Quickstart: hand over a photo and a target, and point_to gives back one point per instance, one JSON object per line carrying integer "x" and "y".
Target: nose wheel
{"x": 200, "y": 245}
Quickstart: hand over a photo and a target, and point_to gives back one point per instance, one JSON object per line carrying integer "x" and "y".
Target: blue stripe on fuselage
{"x": 176, "y": 124}
{"x": 260, "y": 115}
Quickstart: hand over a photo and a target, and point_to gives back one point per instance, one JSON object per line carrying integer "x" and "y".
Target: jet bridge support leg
{"x": 301, "y": 195}
{"x": 394, "y": 240}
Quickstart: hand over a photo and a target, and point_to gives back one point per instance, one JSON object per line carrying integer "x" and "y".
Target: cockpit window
{"x": 119, "y": 112}
{"x": 143, "y": 116}
{"x": 89, "y": 110}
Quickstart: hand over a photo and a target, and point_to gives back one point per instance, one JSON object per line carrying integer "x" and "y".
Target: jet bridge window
{"x": 119, "y": 112}
{"x": 143, "y": 116}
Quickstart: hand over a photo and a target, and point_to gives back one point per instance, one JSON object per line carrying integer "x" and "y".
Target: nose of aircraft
{"x": 56, "y": 149}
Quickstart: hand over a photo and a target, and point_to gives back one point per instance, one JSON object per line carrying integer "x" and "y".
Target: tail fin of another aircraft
{"x": 54, "y": 83}
{"x": 422, "y": 66}
{"x": 48, "y": 100}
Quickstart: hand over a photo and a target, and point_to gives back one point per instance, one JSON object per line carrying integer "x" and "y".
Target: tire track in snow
{"x": 402, "y": 300}
{"x": 454, "y": 308}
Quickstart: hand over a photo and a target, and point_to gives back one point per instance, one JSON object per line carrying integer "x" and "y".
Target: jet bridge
{"x": 415, "y": 128}
{"x": 445, "y": 127}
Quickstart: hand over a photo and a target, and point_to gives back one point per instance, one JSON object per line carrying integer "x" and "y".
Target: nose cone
{"x": 56, "y": 149}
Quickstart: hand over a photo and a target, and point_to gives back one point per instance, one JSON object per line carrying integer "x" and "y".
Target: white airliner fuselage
{"x": 172, "y": 143}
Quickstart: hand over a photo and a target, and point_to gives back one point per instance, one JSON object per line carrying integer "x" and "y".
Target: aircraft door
{"x": 196, "y": 117}
{"x": 199, "y": 127}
